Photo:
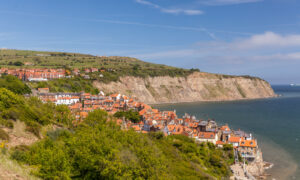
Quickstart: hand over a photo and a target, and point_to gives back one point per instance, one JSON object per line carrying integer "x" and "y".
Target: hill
{"x": 120, "y": 66}
{"x": 146, "y": 82}
{"x": 97, "y": 148}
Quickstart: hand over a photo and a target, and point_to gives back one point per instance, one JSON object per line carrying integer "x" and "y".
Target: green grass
{"x": 121, "y": 65}
{"x": 76, "y": 84}
{"x": 14, "y": 168}
{"x": 3, "y": 135}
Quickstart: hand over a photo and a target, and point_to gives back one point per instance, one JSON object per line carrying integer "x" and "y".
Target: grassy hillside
{"x": 99, "y": 149}
{"x": 76, "y": 84}
{"x": 120, "y": 65}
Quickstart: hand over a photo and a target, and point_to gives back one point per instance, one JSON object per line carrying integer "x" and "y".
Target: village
{"x": 45, "y": 74}
{"x": 151, "y": 120}
{"x": 168, "y": 122}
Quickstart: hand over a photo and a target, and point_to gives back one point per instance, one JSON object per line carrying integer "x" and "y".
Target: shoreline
{"x": 278, "y": 162}
{"x": 215, "y": 101}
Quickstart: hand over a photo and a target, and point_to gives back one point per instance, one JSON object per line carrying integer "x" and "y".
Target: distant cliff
{"x": 198, "y": 86}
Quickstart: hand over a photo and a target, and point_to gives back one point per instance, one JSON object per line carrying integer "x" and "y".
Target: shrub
{"x": 3, "y": 135}
{"x": 14, "y": 84}
{"x": 131, "y": 115}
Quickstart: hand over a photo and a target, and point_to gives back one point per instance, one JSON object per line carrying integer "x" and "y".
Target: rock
{"x": 198, "y": 86}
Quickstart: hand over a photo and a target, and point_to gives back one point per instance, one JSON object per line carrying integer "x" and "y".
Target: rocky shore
{"x": 252, "y": 170}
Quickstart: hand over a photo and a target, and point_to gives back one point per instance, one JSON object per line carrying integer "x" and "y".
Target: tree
{"x": 18, "y": 63}
{"x": 63, "y": 114}
{"x": 14, "y": 84}
{"x": 96, "y": 117}
{"x": 131, "y": 115}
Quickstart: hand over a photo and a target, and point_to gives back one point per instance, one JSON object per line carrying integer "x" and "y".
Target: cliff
{"x": 198, "y": 86}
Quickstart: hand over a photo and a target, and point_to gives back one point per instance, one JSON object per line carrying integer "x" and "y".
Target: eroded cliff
{"x": 198, "y": 86}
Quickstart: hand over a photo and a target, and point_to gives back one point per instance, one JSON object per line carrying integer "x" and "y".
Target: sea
{"x": 274, "y": 122}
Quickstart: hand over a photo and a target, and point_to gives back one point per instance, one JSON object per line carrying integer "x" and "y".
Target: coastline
{"x": 215, "y": 101}
{"x": 279, "y": 163}
{"x": 284, "y": 166}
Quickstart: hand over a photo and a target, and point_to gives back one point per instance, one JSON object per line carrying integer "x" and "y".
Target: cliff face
{"x": 196, "y": 87}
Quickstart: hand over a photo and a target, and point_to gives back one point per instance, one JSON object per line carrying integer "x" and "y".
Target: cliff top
{"x": 118, "y": 66}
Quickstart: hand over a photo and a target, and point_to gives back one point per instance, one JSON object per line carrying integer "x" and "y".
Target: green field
{"x": 119, "y": 66}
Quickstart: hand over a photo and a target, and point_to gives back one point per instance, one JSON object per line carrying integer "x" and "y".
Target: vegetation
{"x": 14, "y": 84}
{"x": 115, "y": 66}
{"x": 76, "y": 84}
{"x": 3, "y": 135}
{"x": 131, "y": 115}
{"x": 98, "y": 149}
{"x": 31, "y": 111}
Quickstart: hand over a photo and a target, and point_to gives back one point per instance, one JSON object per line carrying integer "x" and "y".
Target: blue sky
{"x": 241, "y": 37}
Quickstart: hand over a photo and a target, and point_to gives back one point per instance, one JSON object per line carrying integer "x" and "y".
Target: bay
{"x": 274, "y": 122}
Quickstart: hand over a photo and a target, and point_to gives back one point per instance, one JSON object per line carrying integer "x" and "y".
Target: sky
{"x": 239, "y": 37}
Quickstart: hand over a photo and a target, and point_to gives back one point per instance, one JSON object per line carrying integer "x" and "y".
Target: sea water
{"x": 274, "y": 122}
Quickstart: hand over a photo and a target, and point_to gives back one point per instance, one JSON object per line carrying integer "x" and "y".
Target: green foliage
{"x": 98, "y": 149}
{"x": 63, "y": 115}
{"x": 13, "y": 84}
{"x": 76, "y": 84}
{"x": 3, "y": 135}
{"x": 17, "y": 63}
{"x": 115, "y": 66}
{"x": 31, "y": 111}
{"x": 8, "y": 99}
{"x": 97, "y": 117}
{"x": 131, "y": 115}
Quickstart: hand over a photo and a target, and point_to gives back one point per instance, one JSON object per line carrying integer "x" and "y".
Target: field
{"x": 118, "y": 66}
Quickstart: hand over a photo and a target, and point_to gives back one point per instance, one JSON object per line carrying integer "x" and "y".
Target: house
{"x": 87, "y": 70}
{"x": 234, "y": 141}
{"x": 94, "y": 70}
{"x": 207, "y": 137}
{"x": 67, "y": 100}
{"x": 76, "y": 72}
{"x": 248, "y": 149}
{"x": 43, "y": 90}
{"x": 115, "y": 97}
{"x": 202, "y": 126}
{"x": 37, "y": 79}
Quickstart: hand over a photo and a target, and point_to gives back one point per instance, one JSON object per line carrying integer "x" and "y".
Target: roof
{"x": 203, "y": 123}
{"x": 206, "y": 135}
{"x": 136, "y": 128}
{"x": 225, "y": 128}
{"x": 234, "y": 139}
{"x": 248, "y": 143}
{"x": 220, "y": 143}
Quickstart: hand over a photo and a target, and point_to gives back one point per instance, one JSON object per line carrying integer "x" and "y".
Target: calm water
{"x": 274, "y": 122}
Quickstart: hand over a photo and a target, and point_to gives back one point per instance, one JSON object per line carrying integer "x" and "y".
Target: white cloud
{"x": 171, "y": 10}
{"x": 268, "y": 40}
{"x": 268, "y": 46}
{"x": 279, "y": 56}
{"x": 226, "y": 2}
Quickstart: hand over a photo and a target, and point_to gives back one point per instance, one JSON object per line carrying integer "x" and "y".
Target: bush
{"x": 4, "y": 135}
{"x": 14, "y": 84}
{"x": 19, "y": 155}
{"x": 131, "y": 115}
